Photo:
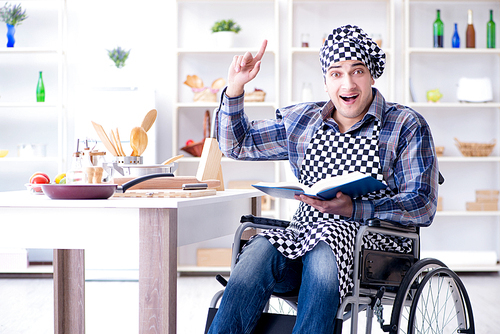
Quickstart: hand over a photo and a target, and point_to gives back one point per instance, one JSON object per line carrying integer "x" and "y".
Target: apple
{"x": 189, "y": 142}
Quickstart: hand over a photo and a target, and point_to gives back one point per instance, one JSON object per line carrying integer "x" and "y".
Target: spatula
{"x": 149, "y": 119}
{"x": 105, "y": 139}
{"x": 138, "y": 141}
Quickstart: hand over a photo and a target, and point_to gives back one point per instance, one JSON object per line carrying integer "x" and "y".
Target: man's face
{"x": 348, "y": 84}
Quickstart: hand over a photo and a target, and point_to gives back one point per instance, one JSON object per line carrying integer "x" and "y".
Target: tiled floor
{"x": 112, "y": 307}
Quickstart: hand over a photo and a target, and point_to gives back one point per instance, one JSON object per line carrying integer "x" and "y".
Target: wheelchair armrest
{"x": 264, "y": 221}
{"x": 375, "y": 222}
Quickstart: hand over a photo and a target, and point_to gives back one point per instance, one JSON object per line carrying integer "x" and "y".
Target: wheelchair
{"x": 425, "y": 295}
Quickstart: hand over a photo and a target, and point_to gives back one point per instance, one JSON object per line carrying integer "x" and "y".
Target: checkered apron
{"x": 330, "y": 154}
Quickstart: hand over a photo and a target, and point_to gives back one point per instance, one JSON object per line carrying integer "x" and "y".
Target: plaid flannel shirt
{"x": 406, "y": 150}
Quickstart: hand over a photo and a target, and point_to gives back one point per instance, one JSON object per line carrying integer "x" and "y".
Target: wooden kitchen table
{"x": 157, "y": 226}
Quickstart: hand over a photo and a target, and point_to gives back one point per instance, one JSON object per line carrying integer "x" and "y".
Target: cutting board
{"x": 175, "y": 182}
{"x": 165, "y": 193}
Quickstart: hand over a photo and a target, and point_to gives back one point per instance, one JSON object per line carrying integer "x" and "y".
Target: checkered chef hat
{"x": 352, "y": 43}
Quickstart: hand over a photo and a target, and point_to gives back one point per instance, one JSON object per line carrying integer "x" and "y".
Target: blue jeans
{"x": 262, "y": 269}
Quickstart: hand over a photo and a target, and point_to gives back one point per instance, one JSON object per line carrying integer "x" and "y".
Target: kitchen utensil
{"x": 115, "y": 142}
{"x": 169, "y": 161}
{"x": 195, "y": 149}
{"x": 93, "y": 191}
{"x": 210, "y": 162}
{"x": 175, "y": 182}
{"x": 105, "y": 139}
{"x": 138, "y": 141}
{"x": 119, "y": 142}
{"x": 149, "y": 119}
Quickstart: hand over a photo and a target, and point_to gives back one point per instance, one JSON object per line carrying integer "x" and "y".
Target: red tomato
{"x": 39, "y": 179}
{"x": 189, "y": 142}
{"x": 37, "y": 174}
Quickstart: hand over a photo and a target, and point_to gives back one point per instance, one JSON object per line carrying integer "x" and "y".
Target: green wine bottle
{"x": 438, "y": 29}
{"x": 40, "y": 89}
{"x": 490, "y": 32}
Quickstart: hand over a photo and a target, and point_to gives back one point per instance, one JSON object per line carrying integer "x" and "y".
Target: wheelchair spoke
{"x": 438, "y": 308}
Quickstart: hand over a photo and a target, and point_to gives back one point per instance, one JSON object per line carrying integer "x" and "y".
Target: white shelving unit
{"x": 456, "y": 230}
{"x": 197, "y": 53}
{"x": 39, "y": 46}
{"x": 317, "y": 18}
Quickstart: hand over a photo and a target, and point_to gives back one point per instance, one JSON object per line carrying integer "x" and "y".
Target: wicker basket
{"x": 195, "y": 149}
{"x": 255, "y": 96}
{"x": 205, "y": 94}
{"x": 475, "y": 149}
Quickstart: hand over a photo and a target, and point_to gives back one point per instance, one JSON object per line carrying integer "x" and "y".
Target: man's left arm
{"x": 415, "y": 181}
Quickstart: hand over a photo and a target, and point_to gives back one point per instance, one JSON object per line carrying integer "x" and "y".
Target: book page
{"x": 335, "y": 181}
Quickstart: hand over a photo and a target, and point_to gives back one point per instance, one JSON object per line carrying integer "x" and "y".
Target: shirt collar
{"x": 376, "y": 109}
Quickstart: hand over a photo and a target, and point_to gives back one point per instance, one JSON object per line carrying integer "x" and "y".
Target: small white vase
{"x": 224, "y": 39}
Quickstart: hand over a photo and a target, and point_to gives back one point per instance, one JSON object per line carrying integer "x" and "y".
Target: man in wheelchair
{"x": 355, "y": 130}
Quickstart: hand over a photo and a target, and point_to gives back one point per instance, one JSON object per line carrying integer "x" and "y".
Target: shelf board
{"x": 27, "y": 105}
{"x": 203, "y": 104}
{"x": 28, "y": 159}
{"x": 239, "y": 50}
{"x": 29, "y": 50}
{"x": 453, "y": 105}
{"x": 453, "y": 50}
{"x": 467, "y": 213}
{"x": 469, "y": 159}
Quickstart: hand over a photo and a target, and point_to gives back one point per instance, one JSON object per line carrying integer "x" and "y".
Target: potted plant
{"x": 118, "y": 56}
{"x": 12, "y": 16}
{"x": 224, "y": 32}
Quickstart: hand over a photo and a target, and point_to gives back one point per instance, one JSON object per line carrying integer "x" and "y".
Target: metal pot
{"x": 133, "y": 167}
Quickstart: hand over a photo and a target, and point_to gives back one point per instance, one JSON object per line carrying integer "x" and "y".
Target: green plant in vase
{"x": 226, "y": 25}
{"x": 12, "y": 15}
{"x": 224, "y": 31}
{"x": 118, "y": 56}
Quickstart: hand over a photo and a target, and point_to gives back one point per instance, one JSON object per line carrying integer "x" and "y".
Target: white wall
{"x": 147, "y": 28}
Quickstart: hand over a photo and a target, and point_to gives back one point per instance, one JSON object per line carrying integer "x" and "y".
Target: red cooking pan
{"x": 93, "y": 191}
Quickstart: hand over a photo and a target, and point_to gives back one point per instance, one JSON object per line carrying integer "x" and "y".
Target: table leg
{"x": 69, "y": 291}
{"x": 158, "y": 271}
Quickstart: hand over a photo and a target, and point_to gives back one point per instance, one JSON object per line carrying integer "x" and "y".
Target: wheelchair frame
{"x": 422, "y": 279}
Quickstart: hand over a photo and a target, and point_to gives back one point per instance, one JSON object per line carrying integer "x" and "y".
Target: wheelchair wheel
{"x": 441, "y": 305}
{"x": 406, "y": 293}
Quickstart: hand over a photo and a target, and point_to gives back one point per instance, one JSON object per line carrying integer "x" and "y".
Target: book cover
{"x": 353, "y": 184}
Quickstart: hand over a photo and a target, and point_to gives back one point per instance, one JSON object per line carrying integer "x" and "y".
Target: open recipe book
{"x": 353, "y": 184}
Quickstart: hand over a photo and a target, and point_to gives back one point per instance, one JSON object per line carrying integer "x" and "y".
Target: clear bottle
{"x": 76, "y": 175}
{"x": 40, "y": 89}
{"x": 490, "y": 32}
{"x": 470, "y": 34}
{"x": 438, "y": 28}
{"x": 455, "y": 40}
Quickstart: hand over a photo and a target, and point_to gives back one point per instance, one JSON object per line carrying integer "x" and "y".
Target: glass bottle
{"x": 455, "y": 40}
{"x": 40, "y": 89}
{"x": 438, "y": 28}
{"x": 470, "y": 34}
{"x": 490, "y": 32}
{"x": 76, "y": 174}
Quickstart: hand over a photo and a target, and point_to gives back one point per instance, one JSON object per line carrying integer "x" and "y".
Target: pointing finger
{"x": 262, "y": 50}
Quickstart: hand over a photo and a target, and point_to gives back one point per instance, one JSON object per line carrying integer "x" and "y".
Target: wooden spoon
{"x": 105, "y": 139}
{"x": 115, "y": 140}
{"x": 169, "y": 161}
{"x": 138, "y": 141}
{"x": 149, "y": 119}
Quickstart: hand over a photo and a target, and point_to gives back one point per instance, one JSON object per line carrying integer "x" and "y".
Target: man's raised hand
{"x": 242, "y": 70}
